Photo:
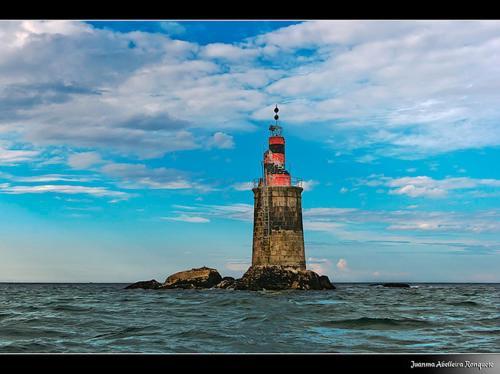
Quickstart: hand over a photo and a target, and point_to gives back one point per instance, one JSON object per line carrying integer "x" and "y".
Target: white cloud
{"x": 328, "y": 212}
{"x": 78, "y": 101}
{"x": 16, "y": 156}
{"x": 322, "y": 266}
{"x": 308, "y": 185}
{"x": 321, "y": 226}
{"x": 366, "y": 159}
{"x": 48, "y": 178}
{"x": 64, "y": 189}
{"x": 172, "y": 28}
{"x": 238, "y": 211}
{"x": 342, "y": 265}
{"x": 228, "y": 52}
{"x": 432, "y": 226}
{"x": 478, "y": 222}
{"x": 18, "y": 34}
{"x": 415, "y": 191}
{"x": 243, "y": 186}
{"x": 137, "y": 176}
{"x": 445, "y": 104}
{"x": 83, "y": 160}
{"x": 342, "y": 220}
{"x": 186, "y": 218}
{"x": 423, "y": 186}
{"x": 221, "y": 140}
{"x": 128, "y": 91}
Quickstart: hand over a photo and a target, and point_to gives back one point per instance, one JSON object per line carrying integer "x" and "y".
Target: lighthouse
{"x": 278, "y": 235}
{"x": 278, "y": 255}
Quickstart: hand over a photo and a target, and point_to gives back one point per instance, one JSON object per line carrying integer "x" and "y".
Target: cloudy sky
{"x": 127, "y": 148}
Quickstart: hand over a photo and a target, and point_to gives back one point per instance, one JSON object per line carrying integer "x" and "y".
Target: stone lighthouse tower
{"x": 278, "y": 237}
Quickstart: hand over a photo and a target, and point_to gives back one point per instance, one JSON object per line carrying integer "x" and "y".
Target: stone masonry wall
{"x": 285, "y": 243}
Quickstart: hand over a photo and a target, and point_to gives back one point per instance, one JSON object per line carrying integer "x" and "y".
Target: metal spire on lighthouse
{"x": 275, "y": 129}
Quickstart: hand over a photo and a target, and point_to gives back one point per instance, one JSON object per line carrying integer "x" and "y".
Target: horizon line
{"x": 354, "y": 282}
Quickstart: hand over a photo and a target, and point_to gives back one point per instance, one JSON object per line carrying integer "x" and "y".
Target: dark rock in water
{"x": 147, "y": 285}
{"x": 195, "y": 278}
{"x": 227, "y": 283}
{"x": 398, "y": 285}
{"x": 394, "y": 285}
{"x": 325, "y": 283}
{"x": 282, "y": 278}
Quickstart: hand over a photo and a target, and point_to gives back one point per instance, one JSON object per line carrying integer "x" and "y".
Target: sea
{"x": 106, "y": 318}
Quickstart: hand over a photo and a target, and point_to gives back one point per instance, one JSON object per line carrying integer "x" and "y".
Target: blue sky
{"x": 127, "y": 148}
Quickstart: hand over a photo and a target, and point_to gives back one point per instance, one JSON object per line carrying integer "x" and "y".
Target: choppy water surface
{"x": 352, "y": 318}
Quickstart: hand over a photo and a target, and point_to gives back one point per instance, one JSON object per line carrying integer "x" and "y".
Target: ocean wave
{"x": 494, "y": 332}
{"x": 464, "y": 303}
{"x": 126, "y": 332}
{"x": 376, "y": 323}
{"x": 71, "y": 308}
{"x": 199, "y": 334}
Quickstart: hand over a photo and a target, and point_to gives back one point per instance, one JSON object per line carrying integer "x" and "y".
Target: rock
{"x": 394, "y": 285}
{"x": 282, "y": 278}
{"x": 227, "y": 283}
{"x": 147, "y": 285}
{"x": 398, "y": 285}
{"x": 325, "y": 283}
{"x": 195, "y": 278}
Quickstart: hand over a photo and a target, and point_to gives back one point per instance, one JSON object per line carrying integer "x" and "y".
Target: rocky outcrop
{"x": 147, "y": 285}
{"x": 282, "y": 278}
{"x": 195, "y": 278}
{"x": 269, "y": 277}
{"x": 227, "y": 283}
{"x": 325, "y": 283}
